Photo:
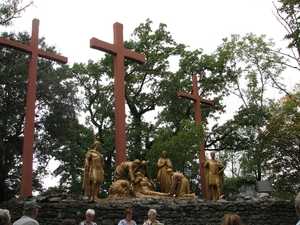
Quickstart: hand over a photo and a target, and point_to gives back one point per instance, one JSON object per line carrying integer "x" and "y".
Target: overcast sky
{"x": 69, "y": 25}
{"x": 199, "y": 23}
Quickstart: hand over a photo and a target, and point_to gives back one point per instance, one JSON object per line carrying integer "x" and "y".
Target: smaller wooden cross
{"x": 197, "y": 103}
{"x": 35, "y": 52}
{"x": 120, "y": 53}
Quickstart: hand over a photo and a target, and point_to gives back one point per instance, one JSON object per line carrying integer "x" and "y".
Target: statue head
{"x": 164, "y": 154}
{"x": 212, "y": 154}
{"x": 136, "y": 162}
{"x": 97, "y": 144}
{"x": 169, "y": 171}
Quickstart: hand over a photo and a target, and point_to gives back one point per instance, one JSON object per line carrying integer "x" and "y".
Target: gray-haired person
{"x": 30, "y": 212}
{"x": 89, "y": 216}
{"x": 152, "y": 218}
{"x": 4, "y": 217}
{"x": 297, "y": 207}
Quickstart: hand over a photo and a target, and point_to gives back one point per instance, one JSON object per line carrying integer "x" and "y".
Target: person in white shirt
{"x": 152, "y": 218}
{"x": 30, "y": 212}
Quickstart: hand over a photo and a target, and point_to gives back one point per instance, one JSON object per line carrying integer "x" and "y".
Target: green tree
{"x": 288, "y": 15}
{"x": 142, "y": 92}
{"x": 283, "y": 135}
{"x": 11, "y": 9}
{"x": 258, "y": 69}
{"x": 55, "y": 111}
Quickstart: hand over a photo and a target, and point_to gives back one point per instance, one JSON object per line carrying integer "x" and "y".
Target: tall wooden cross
{"x": 197, "y": 103}
{"x": 120, "y": 53}
{"x": 35, "y": 52}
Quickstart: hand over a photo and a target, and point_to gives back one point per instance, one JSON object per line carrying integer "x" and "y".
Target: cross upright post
{"x": 120, "y": 53}
{"x": 198, "y": 118}
{"x": 35, "y": 52}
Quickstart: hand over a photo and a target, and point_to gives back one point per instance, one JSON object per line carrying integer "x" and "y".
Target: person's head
{"x": 152, "y": 215}
{"x": 31, "y": 209}
{"x": 212, "y": 154}
{"x": 89, "y": 215}
{"x": 68, "y": 222}
{"x": 164, "y": 154}
{"x": 128, "y": 214}
{"x": 297, "y": 205}
{"x": 231, "y": 219}
{"x": 4, "y": 217}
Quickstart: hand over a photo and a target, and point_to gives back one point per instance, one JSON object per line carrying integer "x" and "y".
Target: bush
{"x": 232, "y": 185}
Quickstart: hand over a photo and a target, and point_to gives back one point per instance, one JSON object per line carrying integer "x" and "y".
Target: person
{"x": 231, "y": 219}
{"x": 180, "y": 185}
{"x": 4, "y": 217}
{"x": 89, "y": 216}
{"x": 127, "y": 218}
{"x": 162, "y": 177}
{"x": 143, "y": 187}
{"x": 68, "y": 222}
{"x": 297, "y": 207}
{"x": 93, "y": 176}
{"x": 30, "y": 212}
{"x": 214, "y": 175}
{"x": 152, "y": 218}
{"x": 126, "y": 170}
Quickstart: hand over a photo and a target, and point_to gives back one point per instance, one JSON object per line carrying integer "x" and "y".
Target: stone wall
{"x": 170, "y": 211}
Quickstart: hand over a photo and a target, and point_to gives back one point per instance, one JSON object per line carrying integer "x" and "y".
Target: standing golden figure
{"x": 214, "y": 175}
{"x": 163, "y": 178}
{"x": 93, "y": 176}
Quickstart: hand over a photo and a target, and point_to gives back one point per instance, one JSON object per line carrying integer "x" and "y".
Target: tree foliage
{"x": 288, "y": 15}
{"x": 55, "y": 111}
{"x": 283, "y": 135}
{"x": 245, "y": 67}
{"x": 11, "y": 9}
{"x": 258, "y": 69}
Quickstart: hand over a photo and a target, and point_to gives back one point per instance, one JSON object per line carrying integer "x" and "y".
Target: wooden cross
{"x": 35, "y": 52}
{"x": 120, "y": 53}
{"x": 197, "y": 103}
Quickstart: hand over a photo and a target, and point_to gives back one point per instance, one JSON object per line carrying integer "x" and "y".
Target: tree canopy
{"x": 11, "y": 9}
{"x": 252, "y": 141}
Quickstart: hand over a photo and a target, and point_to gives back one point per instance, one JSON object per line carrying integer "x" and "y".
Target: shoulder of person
{"x": 93, "y": 223}
{"x": 121, "y": 222}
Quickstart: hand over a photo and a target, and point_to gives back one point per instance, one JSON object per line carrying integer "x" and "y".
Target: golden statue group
{"x": 132, "y": 178}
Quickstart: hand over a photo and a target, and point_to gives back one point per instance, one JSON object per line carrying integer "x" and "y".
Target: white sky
{"x": 199, "y": 23}
{"x": 70, "y": 24}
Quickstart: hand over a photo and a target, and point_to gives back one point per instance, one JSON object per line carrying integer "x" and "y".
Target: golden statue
{"x": 180, "y": 185}
{"x": 120, "y": 189}
{"x": 93, "y": 176}
{"x": 144, "y": 187}
{"x": 214, "y": 175}
{"x": 126, "y": 170}
{"x": 163, "y": 178}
